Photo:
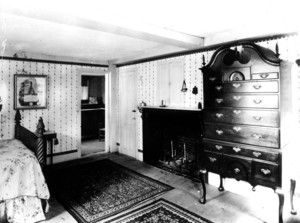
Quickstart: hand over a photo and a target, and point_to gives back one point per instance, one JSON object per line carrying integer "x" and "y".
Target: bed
{"x": 24, "y": 192}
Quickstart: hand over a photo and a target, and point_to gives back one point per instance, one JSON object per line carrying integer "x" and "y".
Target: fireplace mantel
{"x": 141, "y": 108}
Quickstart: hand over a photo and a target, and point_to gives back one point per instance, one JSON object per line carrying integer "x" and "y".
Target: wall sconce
{"x": 0, "y": 104}
{"x": 184, "y": 88}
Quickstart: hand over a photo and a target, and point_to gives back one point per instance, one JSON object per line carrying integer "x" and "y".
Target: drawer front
{"x": 254, "y": 135}
{"x": 212, "y": 79}
{"x": 213, "y": 161}
{"x": 242, "y": 150}
{"x": 264, "y": 76}
{"x": 237, "y": 167}
{"x": 242, "y": 116}
{"x": 249, "y": 87}
{"x": 245, "y": 101}
{"x": 266, "y": 171}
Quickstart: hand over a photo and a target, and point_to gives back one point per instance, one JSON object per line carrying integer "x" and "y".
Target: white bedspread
{"x": 22, "y": 183}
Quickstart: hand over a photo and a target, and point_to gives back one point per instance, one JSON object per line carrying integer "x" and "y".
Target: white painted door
{"x": 128, "y": 112}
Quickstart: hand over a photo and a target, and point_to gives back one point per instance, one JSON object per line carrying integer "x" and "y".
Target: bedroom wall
{"x": 147, "y": 75}
{"x": 62, "y": 114}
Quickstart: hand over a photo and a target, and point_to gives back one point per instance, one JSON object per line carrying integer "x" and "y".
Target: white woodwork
{"x": 128, "y": 111}
{"x": 170, "y": 76}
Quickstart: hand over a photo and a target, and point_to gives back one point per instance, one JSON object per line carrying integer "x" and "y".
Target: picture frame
{"x": 30, "y": 91}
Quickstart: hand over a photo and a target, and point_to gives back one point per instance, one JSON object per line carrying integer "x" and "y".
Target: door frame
{"x": 99, "y": 73}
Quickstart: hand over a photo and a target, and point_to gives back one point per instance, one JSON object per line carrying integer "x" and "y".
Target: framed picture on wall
{"x": 30, "y": 91}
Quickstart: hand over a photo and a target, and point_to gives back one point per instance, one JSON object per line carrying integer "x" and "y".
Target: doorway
{"x": 93, "y": 115}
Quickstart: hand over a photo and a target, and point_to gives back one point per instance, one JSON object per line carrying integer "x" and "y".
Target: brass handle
{"x": 212, "y": 79}
{"x": 237, "y": 112}
{"x": 219, "y": 100}
{"x": 237, "y": 170}
{"x": 257, "y": 118}
{"x": 257, "y": 86}
{"x": 236, "y": 98}
{"x": 219, "y": 147}
{"x": 257, "y": 136}
{"x": 212, "y": 159}
{"x": 257, "y": 101}
{"x": 219, "y": 115}
{"x": 236, "y": 149}
{"x": 218, "y": 88}
{"x": 237, "y": 128}
{"x": 219, "y": 132}
{"x": 264, "y": 75}
{"x": 256, "y": 154}
{"x": 236, "y": 85}
{"x": 265, "y": 171}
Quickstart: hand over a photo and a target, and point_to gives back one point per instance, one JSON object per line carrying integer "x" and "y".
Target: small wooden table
{"x": 50, "y": 140}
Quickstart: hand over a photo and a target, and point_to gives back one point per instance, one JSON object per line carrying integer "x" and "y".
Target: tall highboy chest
{"x": 247, "y": 115}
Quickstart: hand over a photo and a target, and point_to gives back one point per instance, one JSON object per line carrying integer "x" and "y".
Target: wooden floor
{"x": 221, "y": 207}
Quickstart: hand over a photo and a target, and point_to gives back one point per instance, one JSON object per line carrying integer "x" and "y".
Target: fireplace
{"x": 172, "y": 139}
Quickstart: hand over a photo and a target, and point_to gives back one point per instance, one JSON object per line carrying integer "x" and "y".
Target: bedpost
{"x": 40, "y": 144}
{"x": 17, "y": 124}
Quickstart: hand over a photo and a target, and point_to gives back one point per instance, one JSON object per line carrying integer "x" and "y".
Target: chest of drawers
{"x": 247, "y": 101}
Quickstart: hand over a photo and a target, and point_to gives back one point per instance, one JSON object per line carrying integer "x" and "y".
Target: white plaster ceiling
{"x": 117, "y": 31}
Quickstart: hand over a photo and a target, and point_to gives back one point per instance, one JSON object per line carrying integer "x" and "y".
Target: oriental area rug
{"x": 160, "y": 211}
{"x": 95, "y": 191}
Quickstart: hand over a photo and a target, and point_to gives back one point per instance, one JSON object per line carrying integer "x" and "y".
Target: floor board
{"x": 221, "y": 207}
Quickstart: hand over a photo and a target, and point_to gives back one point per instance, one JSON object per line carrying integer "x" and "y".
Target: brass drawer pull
{"x": 257, "y": 136}
{"x": 236, "y": 98}
{"x": 219, "y": 147}
{"x": 219, "y": 100}
{"x": 265, "y": 171}
{"x": 257, "y": 101}
{"x": 219, "y": 132}
{"x": 257, "y": 118}
{"x": 264, "y": 75}
{"x": 237, "y": 128}
{"x": 236, "y": 85}
{"x": 256, "y": 154}
{"x": 218, "y": 88}
{"x": 219, "y": 115}
{"x": 237, "y": 170}
{"x": 212, "y": 79}
{"x": 257, "y": 86}
{"x": 212, "y": 159}
{"x": 237, "y": 112}
{"x": 236, "y": 149}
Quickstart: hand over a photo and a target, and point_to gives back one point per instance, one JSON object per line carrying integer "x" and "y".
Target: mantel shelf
{"x": 168, "y": 108}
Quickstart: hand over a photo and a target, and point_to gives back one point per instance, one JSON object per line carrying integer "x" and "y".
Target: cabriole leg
{"x": 292, "y": 192}
{"x": 202, "y": 173}
{"x": 281, "y": 203}
{"x": 221, "y": 188}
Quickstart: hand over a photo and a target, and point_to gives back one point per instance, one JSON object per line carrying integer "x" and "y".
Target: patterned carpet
{"x": 160, "y": 211}
{"x": 92, "y": 192}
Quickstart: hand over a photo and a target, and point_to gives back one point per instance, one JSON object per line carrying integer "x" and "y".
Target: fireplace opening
{"x": 172, "y": 139}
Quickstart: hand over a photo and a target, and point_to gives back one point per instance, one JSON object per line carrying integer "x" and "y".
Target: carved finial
{"x": 18, "y": 117}
{"x": 203, "y": 60}
{"x": 40, "y": 128}
{"x": 277, "y": 50}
